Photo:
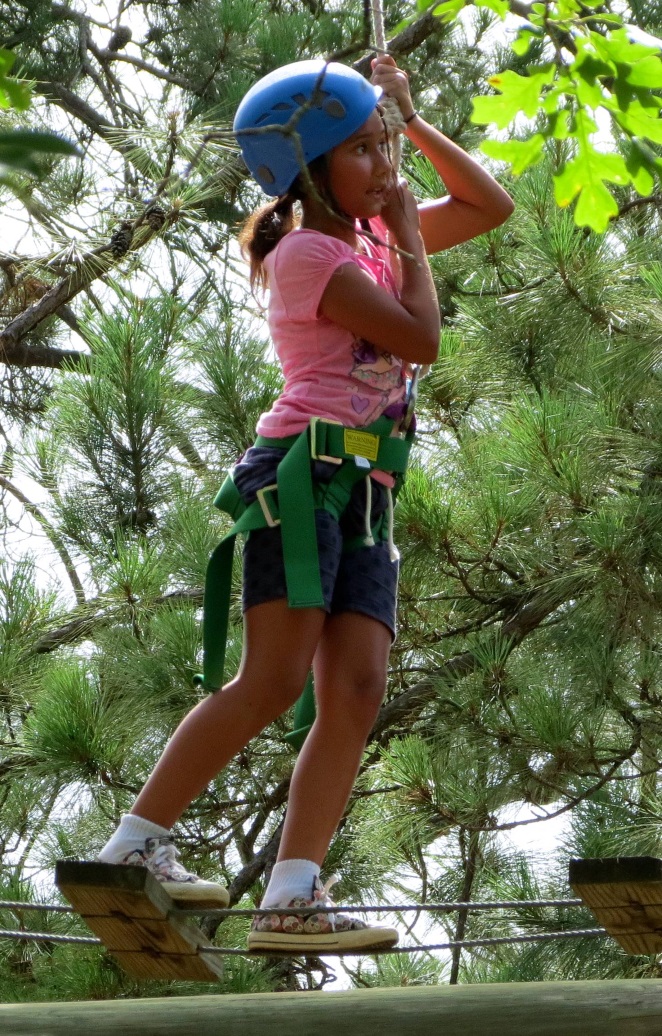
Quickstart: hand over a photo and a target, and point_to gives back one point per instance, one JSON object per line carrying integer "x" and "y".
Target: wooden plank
{"x": 168, "y": 967}
{"x": 625, "y": 895}
{"x": 132, "y": 915}
{"x": 614, "y": 1008}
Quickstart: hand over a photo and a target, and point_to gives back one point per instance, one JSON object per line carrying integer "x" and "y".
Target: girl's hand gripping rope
{"x": 394, "y": 82}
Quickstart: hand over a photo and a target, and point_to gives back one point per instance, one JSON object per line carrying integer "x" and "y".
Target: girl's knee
{"x": 357, "y": 699}
{"x": 272, "y": 693}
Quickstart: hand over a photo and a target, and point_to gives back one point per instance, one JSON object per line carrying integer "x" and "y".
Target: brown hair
{"x": 269, "y": 224}
{"x": 262, "y": 231}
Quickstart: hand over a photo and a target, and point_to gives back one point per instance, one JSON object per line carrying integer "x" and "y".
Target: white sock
{"x": 130, "y": 835}
{"x": 290, "y": 879}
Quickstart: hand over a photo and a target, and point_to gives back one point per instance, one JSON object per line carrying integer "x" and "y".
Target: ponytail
{"x": 262, "y": 231}
{"x": 268, "y": 225}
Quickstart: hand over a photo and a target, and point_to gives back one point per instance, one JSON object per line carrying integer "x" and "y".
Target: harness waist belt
{"x": 291, "y": 503}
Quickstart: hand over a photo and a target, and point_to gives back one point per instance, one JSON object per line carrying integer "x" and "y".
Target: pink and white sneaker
{"x": 317, "y": 933}
{"x": 160, "y": 857}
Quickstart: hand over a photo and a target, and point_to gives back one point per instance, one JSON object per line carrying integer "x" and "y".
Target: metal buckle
{"x": 410, "y": 400}
{"x": 266, "y": 510}
{"x": 314, "y": 421}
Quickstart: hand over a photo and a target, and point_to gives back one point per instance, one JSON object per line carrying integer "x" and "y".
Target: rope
{"x": 440, "y": 908}
{"x": 392, "y": 114}
{"x": 233, "y": 951}
{"x": 513, "y": 904}
{"x": 56, "y": 908}
{"x": 47, "y": 937}
{"x": 444, "y": 908}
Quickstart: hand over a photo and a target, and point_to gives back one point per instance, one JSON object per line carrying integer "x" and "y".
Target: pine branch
{"x": 262, "y": 861}
{"x": 80, "y": 627}
{"x": 80, "y": 109}
{"x": 95, "y": 264}
{"x": 21, "y": 355}
{"x": 104, "y": 57}
{"x": 51, "y": 532}
{"x": 513, "y": 631}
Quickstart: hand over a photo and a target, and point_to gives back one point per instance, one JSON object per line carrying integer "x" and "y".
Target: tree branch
{"x": 52, "y": 534}
{"x": 407, "y": 40}
{"x": 94, "y": 264}
{"x": 512, "y": 632}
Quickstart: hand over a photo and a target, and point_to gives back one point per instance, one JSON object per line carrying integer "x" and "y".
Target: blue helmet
{"x": 340, "y": 101}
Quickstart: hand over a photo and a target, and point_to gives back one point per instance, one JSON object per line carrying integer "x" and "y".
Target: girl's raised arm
{"x": 475, "y": 202}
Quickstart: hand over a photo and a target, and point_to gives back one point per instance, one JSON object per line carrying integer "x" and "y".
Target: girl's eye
{"x": 361, "y": 149}
{"x": 383, "y": 146}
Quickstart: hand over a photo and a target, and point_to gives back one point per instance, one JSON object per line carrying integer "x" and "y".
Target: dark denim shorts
{"x": 363, "y": 580}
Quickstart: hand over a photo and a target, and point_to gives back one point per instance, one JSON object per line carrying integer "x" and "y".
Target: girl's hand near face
{"x": 475, "y": 202}
{"x": 400, "y": 214}
{"x": 393, "y": 81}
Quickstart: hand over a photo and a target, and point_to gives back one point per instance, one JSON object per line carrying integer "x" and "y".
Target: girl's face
{"x": 360, "y": 174}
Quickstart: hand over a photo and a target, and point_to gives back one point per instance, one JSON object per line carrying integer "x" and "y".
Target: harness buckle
{"x": 314, "y": 421}
{"x": 263, "y": 501}
{"x": 410, "y": 400}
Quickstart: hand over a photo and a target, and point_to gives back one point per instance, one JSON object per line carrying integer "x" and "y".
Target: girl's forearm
{"x": 418, "y": 295}
{"x": 465, "y": 178}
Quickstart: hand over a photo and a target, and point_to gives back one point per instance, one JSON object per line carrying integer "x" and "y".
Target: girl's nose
{"x": 383, "y": 161}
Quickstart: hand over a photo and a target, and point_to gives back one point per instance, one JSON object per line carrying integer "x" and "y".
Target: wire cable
{"x": 56, "y": 908}
{"x": 48, "y": 937}
{"x": 440, "y": 908}
{"x": 424, "y": 948}
{"x": 444, "y": 908}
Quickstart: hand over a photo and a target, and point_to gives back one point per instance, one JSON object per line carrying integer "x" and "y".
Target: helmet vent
{"x": 264, "y": 173}
{"x": 335, "y": 109}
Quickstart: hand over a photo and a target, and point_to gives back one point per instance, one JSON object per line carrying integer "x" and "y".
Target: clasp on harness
{"x": 263, "y": 501}
{"x": 314, "y": 421}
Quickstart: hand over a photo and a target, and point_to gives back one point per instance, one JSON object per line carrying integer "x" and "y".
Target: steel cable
{"x": 503, "y": 940}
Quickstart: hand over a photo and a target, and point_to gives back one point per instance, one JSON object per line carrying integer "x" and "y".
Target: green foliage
{"x": 13, "y": 94}
{"x": 73, "y": 728}
{"x": 23, "y": 150}
{"x": 525, "y": 679}
{"x": 609, "y": 74}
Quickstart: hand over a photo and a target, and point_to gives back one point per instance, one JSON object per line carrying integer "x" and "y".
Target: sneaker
{"x": 160, "y": 858}
{"x": 317, "y": 933}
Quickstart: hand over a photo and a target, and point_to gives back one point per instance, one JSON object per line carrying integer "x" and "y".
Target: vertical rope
{"x": 378, "y": 23}
{"x": 392, "y": 113}
{"x": 395, "y": 127}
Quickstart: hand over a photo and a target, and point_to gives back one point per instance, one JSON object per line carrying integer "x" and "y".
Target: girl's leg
{"x": 350, "y": 679}
{"x": 279, "y": 644}
{"x": 350, "y": 669}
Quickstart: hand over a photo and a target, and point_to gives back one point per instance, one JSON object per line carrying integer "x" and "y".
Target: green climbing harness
{"x": 291, "y": 503}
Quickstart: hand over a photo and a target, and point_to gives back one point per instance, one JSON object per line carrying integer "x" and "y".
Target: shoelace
{"x": 322, "y": 898}
{"x": 165, "y": 856}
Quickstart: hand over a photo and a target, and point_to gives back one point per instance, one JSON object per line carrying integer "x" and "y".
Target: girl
{"x": 348, "y": 321}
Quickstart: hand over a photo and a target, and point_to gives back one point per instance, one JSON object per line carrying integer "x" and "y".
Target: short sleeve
{"x": 300, "y": 268}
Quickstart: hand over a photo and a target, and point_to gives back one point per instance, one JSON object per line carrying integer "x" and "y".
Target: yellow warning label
{"x": 361, "y": 444}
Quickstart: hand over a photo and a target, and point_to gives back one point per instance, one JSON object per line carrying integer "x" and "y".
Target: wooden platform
{"x": 614, "y": 1008}
{"x": 625, "y": 894}
{"x": 132, "y": 915}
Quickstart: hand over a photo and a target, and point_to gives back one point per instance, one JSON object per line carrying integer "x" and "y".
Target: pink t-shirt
{"x": 328, "y": 372}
